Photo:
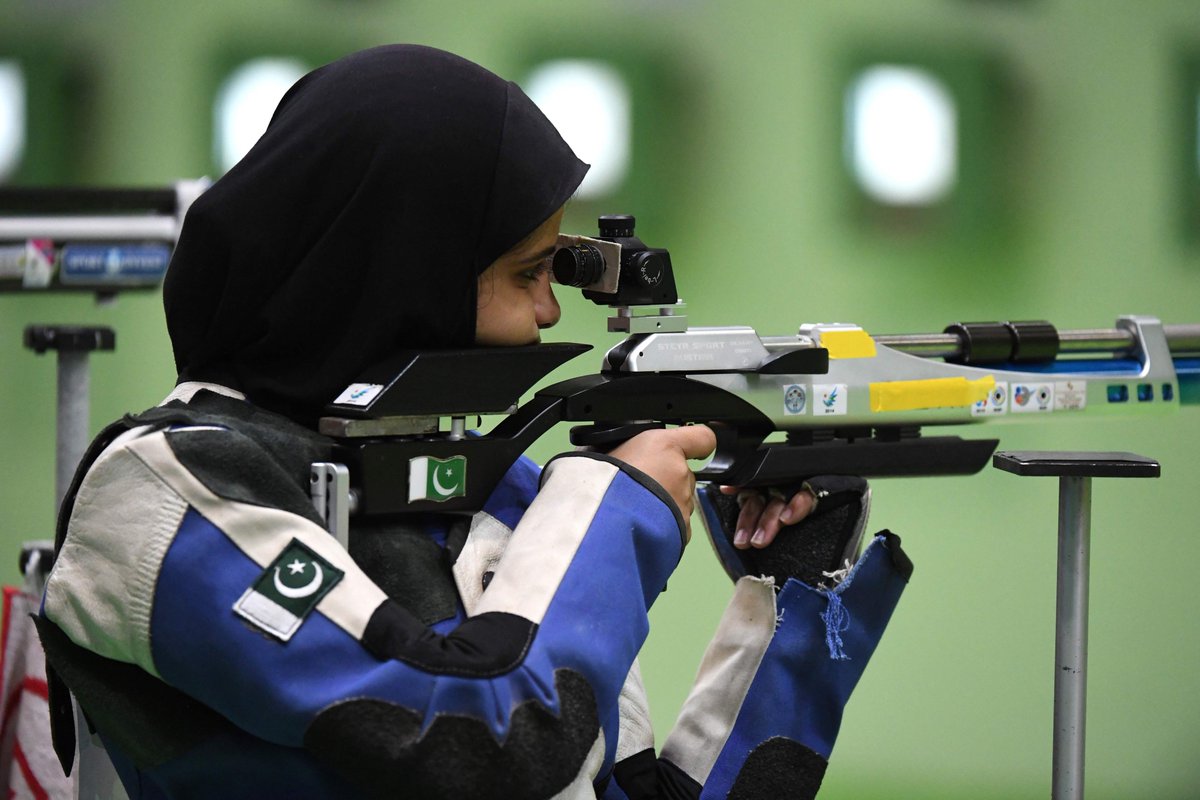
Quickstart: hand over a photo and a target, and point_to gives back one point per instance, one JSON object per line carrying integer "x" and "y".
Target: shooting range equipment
{"x": 1074, "y": 471}
{"x": 104, "y": 241}
{"x": 83, "y": 239}
{"x": 95, "y": 240}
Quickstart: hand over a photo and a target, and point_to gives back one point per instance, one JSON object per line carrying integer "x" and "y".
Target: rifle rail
{"x": 1182, "y": 339}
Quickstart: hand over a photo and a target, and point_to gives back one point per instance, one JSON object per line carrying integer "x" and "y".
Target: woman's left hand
{"x": 761, "y": 516}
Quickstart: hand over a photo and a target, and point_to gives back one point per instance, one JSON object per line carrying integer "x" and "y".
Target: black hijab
{"x": 358, "y": 224}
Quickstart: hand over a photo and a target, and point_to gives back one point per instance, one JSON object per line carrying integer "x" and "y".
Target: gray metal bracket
{"x": 330, "y": 491}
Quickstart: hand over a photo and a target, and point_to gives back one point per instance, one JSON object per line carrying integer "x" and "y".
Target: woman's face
{"x": 515, "y": 298}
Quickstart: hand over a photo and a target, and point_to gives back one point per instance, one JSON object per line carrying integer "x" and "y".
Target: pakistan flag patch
{"x": 287, "y": 591}
{"x": 437, "y": 479}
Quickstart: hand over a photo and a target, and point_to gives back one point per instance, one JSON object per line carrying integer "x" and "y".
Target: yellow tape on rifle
{"x": 848, "y": 344}
{"x": 930, "y": 393}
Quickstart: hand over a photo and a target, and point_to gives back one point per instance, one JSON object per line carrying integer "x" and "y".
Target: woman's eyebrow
{"x": 540, "y": 255}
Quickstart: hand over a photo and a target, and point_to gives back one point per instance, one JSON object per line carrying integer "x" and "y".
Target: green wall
{"x": 746, "y": 187}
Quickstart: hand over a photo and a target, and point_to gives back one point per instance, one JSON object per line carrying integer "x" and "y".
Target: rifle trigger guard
{"x": 603, "y": 438}
{"x": 735, "y": 448}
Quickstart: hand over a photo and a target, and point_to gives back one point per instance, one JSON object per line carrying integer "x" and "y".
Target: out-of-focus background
{"x": 902, "y": 165}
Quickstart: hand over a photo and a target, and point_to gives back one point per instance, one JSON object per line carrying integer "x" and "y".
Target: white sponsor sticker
{"x": 1027, "y": 398}
{"x": 994, "y": 403}
{"x": 1070, "y": 395}
{"x": 795, "y": 399}
{"x": 829, "y": 399}
{"x": 359, "y": 394}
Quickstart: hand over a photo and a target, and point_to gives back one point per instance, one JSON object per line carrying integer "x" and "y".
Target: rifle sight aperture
{"x": 578, "y": 265}
{"x": 627, "y": 274}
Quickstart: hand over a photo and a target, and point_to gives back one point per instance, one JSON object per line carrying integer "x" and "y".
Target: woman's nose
{"x": 546, "y": 309}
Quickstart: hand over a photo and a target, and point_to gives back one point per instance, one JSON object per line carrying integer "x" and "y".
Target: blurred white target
{"x": 12, "y": 117}
{"x": 589, "y": 102}
{"x": 245, "y": 103}
{"x": 902, "y": 135}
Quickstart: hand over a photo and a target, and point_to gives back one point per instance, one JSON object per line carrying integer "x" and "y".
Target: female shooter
{"x": 223, "y": 644}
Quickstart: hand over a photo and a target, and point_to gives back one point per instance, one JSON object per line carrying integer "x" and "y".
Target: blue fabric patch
{"x": 726, "y": 552}
{"x": 516, "y": 490}
{"x": 800, "y": 691}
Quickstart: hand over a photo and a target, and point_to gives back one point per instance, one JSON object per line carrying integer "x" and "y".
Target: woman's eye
{"x": 534, "y": 275}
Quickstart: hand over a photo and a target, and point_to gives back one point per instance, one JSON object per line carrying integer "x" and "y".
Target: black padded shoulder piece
{"x": 381, "y": 745}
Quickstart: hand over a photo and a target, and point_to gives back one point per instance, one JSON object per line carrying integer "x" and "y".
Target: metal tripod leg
{"x": 1075, "y": 472}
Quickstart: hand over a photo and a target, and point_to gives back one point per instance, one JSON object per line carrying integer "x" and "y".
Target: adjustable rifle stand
{"x": 94, "y": 773}
{"x": 74, "y": 344}
{"x": 1074, "y": 472}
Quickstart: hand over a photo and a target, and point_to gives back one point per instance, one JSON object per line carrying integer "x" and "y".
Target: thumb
{"x": 695, "y": 441}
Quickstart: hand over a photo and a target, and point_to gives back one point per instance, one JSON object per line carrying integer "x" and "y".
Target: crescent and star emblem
{"x": 302, "y": 591}
{"x": 437, "y": 484}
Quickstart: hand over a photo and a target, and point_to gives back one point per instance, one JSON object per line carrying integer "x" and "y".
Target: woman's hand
{"x": 762, "y": 516}
{"x": 663, "y": 455}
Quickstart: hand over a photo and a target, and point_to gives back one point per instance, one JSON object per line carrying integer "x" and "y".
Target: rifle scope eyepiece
{"x": 579, "y": 265}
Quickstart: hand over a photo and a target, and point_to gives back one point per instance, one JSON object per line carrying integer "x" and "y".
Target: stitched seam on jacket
{"x": 162, "y": 531}
{"x": 261, "y": 533}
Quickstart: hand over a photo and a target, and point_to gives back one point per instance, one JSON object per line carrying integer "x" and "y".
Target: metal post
{"x": 1070, "y": 649}
{"x": 1074, "y": 471}
{"x": 74, "y": 344}
{"x": 72, "y": 420}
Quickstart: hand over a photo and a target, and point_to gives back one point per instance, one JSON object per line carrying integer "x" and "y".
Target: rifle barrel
{"x": 1182, "y": 339}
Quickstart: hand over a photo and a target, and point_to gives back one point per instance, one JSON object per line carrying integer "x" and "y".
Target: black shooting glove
{"x": 815, "y": 550}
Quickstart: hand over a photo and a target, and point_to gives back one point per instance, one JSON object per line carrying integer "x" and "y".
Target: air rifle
{"x": 844, "y": 401}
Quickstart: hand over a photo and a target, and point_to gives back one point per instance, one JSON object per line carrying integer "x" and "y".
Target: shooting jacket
{"x": 223, "y": 643}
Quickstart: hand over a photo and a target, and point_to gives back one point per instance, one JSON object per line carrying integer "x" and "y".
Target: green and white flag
{"x": 437, "y": 479}
{"x": 287, "y": 591}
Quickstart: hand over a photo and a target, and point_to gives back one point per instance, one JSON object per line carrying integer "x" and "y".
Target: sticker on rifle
{"x": 994, "y": 403}
{"x": 1032, "y": 398}
{"x": 287, "y": 591}
{"x": 359, "y": 394}
{"x": 795, "y": 399}
{"x": 1070, "y": 395}
{"x": 829, "y": 399}
{"x": 437, "y": 479}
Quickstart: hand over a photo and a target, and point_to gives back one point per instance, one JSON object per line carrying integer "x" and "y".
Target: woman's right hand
{"x": 663, "y": 455}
